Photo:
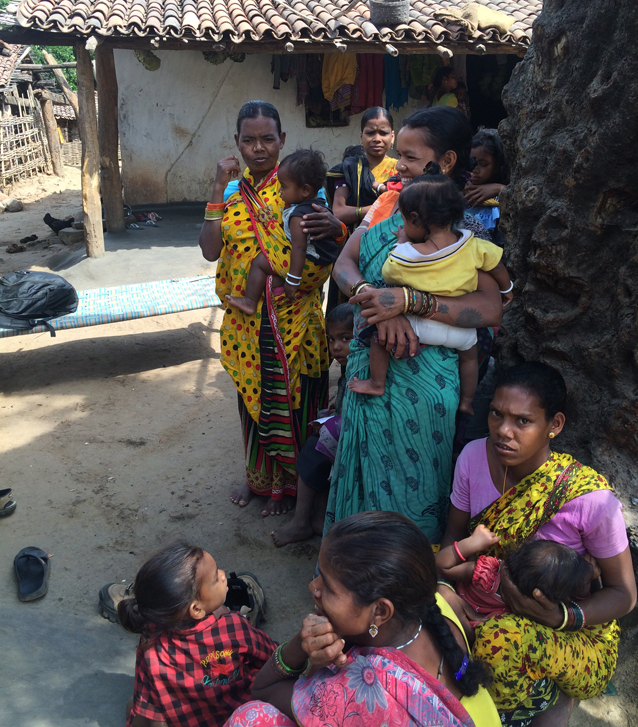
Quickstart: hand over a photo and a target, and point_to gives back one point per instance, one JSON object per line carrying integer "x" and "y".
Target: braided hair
{"x": 385, "y": 555}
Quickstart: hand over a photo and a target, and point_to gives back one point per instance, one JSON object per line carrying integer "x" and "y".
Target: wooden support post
{"x": 108, "y": 138}
{"x": 62, "y": 82}
{"x": 51, "y": 129}
{"x": 87, "y": 124}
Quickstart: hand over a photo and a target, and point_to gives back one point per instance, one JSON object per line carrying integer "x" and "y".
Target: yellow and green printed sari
{"x": 278, "y": 358}
{"x": 532, "y": 663}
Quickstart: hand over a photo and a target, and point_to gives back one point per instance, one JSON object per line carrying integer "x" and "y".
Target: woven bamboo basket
{"x": 389, "y": 12}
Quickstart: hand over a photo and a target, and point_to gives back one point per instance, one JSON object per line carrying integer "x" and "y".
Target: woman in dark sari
{"x": 356, "y": 183}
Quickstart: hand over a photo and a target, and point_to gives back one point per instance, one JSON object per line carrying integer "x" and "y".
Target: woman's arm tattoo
{"x": 469, "y": 318}
{"x": 345, "y": 279}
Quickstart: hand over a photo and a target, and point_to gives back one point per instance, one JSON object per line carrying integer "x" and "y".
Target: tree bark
{"x": 108, "y": 138}
{"x": 51, "y": 129}
{"x": 570, "y": 219}
{"x": 63, "y": 83}
{"x": 87, "y": 124}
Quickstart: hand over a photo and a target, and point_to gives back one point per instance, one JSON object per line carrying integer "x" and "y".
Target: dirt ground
{"x": 116, "y": 440}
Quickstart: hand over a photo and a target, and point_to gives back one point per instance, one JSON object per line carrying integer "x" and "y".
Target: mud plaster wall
{"x": 176, "y": 122}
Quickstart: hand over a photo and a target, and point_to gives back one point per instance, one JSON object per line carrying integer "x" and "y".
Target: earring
{"x": 551, "y": 435}
{"x": 373, "y": 630}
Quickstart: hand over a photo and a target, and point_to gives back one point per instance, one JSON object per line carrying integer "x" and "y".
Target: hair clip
{"x": 463, "y": 668}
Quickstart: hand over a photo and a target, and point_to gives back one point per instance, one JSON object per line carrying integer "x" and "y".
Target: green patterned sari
{"x": 395, "y": 450}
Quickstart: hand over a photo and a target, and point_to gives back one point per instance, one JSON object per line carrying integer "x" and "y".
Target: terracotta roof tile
{"x": 7, "y": 63}
{"x": 252, "y": 20}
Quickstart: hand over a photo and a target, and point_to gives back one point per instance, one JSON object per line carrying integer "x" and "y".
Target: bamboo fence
{"x": 24, "y": 151}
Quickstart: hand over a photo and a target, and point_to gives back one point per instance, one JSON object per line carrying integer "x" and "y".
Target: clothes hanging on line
{"x": 396, "y": 94}
{"x": 338, "y": 69}
{"x": 368, "y": 89}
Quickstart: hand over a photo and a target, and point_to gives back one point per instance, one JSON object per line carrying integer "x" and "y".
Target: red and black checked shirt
{"x": 197, "y": 677}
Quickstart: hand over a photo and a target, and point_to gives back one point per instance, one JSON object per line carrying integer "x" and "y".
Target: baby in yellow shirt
{"x": 431, "y": 255}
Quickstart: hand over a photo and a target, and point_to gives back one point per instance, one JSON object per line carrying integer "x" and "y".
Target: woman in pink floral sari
{"x": 383, "y": 651}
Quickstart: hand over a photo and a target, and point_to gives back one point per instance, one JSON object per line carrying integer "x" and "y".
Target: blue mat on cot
{"x": 127, "y": 302}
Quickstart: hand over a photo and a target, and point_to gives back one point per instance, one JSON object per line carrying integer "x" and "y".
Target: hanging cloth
{"x": 368, "y": 91}
{"x": 396, "y": 95}
{"x": 338, "y": 69}
{"x": 342, "y": 97}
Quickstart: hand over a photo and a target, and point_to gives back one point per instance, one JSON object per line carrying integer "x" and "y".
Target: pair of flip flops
{"x": 32, "y": 568}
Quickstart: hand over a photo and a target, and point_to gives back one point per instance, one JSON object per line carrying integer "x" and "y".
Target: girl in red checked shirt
{"x": 196, "y": 660}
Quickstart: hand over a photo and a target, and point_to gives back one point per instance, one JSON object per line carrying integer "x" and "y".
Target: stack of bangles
{"x": 293, "y": 279}
{"x": 428, "y": 307}
{"x": 574, "y": 617}
{"x": 357, "y": 287}
{"x": 285, "y": 671}
{"x": 214, "y": 211}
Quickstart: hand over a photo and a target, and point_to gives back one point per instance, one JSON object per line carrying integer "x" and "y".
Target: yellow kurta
{"x": 449, "y": 272}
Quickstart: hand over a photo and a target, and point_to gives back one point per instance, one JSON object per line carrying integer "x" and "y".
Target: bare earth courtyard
{"x": 117, "y": 439}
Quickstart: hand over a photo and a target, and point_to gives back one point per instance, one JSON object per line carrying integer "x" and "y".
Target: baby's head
{"x": 460, "y": 91}
{"x": 491, "y": 163}
{"x": 354, "y": 150}
{"x": 177, "y": 586}
{"x": 556, "y": 570}
{"x": 301, "y": 175}
{"x": 339, "y": 325}
{"x": 429, "y": 201}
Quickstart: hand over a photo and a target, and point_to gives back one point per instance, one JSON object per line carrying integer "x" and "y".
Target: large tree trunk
{"x": 570, "y": 218}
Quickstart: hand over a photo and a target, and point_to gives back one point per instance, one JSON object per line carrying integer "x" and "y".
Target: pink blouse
{"x": 592, "y": 523}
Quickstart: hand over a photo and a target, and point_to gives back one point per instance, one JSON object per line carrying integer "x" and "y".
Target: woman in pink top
{"x": 515, "y": 485}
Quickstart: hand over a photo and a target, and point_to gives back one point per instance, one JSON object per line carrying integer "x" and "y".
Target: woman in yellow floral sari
{"x": 513, "y": 483}
{"x": 278, "y": 358}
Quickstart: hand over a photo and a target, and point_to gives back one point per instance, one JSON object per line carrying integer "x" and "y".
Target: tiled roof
{"x": 7, "y": 63}
{"x": 276, "y": 20}
{"x": 63, "y": 111}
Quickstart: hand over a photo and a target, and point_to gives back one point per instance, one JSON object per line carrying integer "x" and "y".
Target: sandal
{"x": 110, "y": 596}
{"x": 32, "y": 568}
{"x": 246, "y": 597}
{"x": 7, "y": 503}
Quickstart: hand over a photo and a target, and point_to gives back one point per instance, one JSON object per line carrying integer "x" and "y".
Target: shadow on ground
{"x": 90, "y": 689}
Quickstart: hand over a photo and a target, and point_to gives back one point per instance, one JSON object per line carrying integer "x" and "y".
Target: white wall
{"x": 176, "y": 122}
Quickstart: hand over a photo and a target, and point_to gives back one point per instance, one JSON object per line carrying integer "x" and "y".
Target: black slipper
{"x": 32, "y": 568}
{"x": 246, "y": 597}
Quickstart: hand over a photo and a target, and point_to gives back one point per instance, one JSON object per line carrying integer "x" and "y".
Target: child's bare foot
{"x": 465, "y": 407}
{"x": 292, "y": 532}
{"x": 243, "y": 304}
{"x": 278, "y": 507}
{"x": 366, "y": 386}
{"x": 242, "y": 495}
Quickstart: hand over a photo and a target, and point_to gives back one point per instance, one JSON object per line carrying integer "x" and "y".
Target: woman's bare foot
{"x": 366, "y": 386}
{"x": 292, "y": 532}
{"x": 242, "y": 495}
{"x": 243, "y": 304}
{"x": 278, "y": 507}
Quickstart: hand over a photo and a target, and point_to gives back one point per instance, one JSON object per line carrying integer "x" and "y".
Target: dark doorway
{"x": 486, "y": 76}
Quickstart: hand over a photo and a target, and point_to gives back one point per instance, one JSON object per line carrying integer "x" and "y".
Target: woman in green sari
{"x": 395, "y": 450}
